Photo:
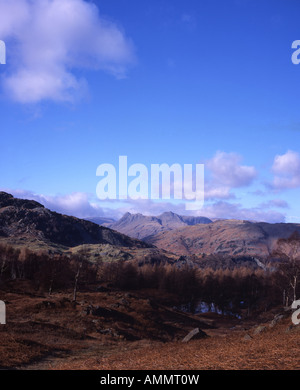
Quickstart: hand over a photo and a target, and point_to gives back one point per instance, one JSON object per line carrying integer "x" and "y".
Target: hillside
{"x": 29, "y": 221}
{"x": 122, "y": 331}
{"x": 143, "y": 227}
{"x": 225, "y": 237}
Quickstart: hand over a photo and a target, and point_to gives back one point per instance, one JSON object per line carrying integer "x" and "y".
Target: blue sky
{"x": 160, "y": 81}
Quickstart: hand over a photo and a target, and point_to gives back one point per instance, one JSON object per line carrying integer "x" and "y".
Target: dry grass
{"x": 273, "y": 350}
{"x": 47, "y": 333}
{"x": 51, "y": 328}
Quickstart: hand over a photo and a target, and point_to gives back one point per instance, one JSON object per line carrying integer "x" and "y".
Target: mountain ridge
{"x": 225, "y": 237}
{"x": 26, "y": 221}
{"x": 143, "y": 227}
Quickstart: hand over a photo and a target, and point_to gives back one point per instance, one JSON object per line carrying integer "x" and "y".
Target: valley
{"x": 82, "y": 296}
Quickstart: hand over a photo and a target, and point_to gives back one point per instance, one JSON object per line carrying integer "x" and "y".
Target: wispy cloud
{"x": 82, "y": 205}
{"x": 189, "y": 21}
{"x": 76, "y": 204}
{"x": 228, "y": 210}
{"x": 278, "y": 203}
{"x": 48, "y": 40}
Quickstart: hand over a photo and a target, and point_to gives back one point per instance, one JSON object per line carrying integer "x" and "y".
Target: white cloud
{"x": 288, "y": 163}
{"x": 49, "y": 39}
{"x": 227, "y": 170}
{"x": 76, "y": 204}
{"x": 222, "y": 173}
{"x": 226, "y": 173}
{"x": 286, "y": 169}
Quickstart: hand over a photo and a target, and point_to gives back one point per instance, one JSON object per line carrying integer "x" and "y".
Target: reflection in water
{"x": 204, "y": 307}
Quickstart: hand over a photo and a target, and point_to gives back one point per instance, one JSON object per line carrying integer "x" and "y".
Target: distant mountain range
{"x": 200, "y": 236}
{"x": 143, "y": 227}
{"x": 28, "y": 223}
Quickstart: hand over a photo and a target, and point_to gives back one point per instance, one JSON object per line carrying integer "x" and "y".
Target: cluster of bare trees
{"x": 48, "y": 273}
{"x": 230, "y": 290}
{"x": 288, "y": 274}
